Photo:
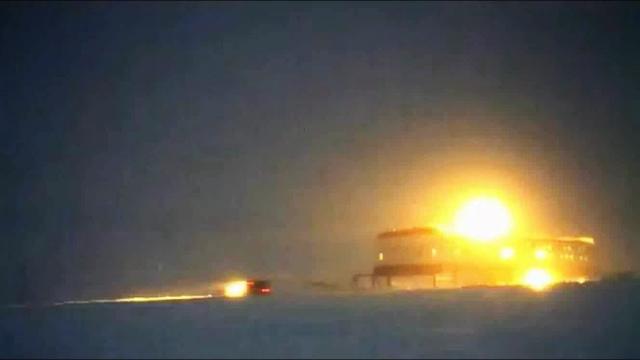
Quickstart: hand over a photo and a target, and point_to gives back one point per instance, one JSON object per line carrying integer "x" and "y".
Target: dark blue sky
{"x": 205, "y": 139}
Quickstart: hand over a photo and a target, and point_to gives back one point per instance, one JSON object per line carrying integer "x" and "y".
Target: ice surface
{"x": 593, "y": 321}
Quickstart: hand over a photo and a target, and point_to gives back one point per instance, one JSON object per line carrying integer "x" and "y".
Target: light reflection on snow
{"x": 137, "y": 299}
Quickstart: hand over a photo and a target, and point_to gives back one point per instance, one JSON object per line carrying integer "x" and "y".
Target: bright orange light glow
{"x": 506, "y": 253}
{"x": 537, "y": 279}
{"x": 236, "y": 289}
{"x": 540, "y": 254}
{"x": 584, "y": 239}
{"x": 483, "y": 219}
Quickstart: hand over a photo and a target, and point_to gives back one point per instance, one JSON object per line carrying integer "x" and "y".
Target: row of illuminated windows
{"x": 505, "y": 253}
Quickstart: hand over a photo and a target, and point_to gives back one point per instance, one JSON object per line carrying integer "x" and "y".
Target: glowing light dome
{"x": 236, "y": 289}
{"x": 537, "y": 279}
{"x": 540, "y": 254}
{"x": 506, "y": 253}
{"x": 483, "y": 219}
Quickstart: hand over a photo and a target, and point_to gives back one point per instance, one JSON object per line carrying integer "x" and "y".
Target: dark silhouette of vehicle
{"x": 259, "y": 287}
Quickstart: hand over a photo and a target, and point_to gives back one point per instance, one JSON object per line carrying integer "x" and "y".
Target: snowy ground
{"x": 594, "y": 321}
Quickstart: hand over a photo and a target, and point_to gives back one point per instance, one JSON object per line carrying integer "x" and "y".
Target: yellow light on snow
{"x": 537, "y": 279}
{"x": 483, "y": 219}
{"x": 540, "y": 254}
{"x": 506, "y": 253}
{"x": 136, "y": 299}
{"x": 162, "y": 298}
{"x": 235, "y": 289}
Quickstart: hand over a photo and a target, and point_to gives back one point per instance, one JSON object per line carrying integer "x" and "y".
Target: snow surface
{"x": 593, "y": 321}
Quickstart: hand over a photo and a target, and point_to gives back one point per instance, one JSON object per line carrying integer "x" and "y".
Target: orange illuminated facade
{"x": 435, "y": 258}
